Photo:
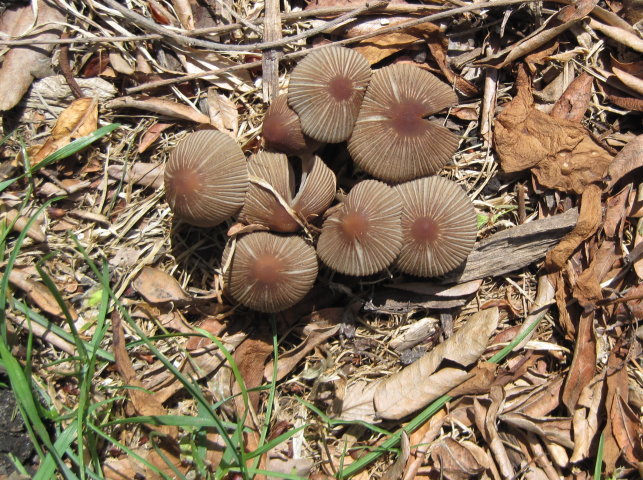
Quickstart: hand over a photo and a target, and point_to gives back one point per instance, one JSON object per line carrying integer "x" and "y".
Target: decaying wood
{"x": 514, "y": 248}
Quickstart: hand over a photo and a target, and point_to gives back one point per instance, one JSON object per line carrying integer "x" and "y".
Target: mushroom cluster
{"x": 419, "y": 224}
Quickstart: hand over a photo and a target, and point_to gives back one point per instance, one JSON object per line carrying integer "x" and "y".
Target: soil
{"x": 14, "y": 438}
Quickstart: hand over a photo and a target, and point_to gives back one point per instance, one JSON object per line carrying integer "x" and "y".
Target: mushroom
{"x": 281, "y": 129}
{"x": 270, "y": 201}
{"x": 438, "y": 226}
{"x": 392, "y": 139}
{"x": 326, "y": 90}
{"x": 363, "y": 236}
{"x": 206, "y": 178}
{"x": 270, "y": 272}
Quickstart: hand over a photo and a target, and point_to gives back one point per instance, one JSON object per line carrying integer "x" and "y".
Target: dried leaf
{"x": 39, "y": 294}
{"x": 152, "y": 134}
{"x": 223, "y": 113}
{"x": 145, "y": 174}
{"x": 562, "y": 154}
{"x": 200, "y": 61}
{"x": 320, "y": 326}
{"x": 627, "y": 160}
{"x": 395, "y": 471}
{"x": 575, "y": 100}
{"x": 585, "y": 421}
{"x": 417, "y": 385}
{"x": 24, "y": 63}
{"x": 378, "y": 48}
{"x": 251, "y": 357}
{"x": 357, "y": 403}
{"x": 161, "y": 106}
{"x": 158, "y": 286}
{"x": 455, "y": 461}
{"x": 77, "y": 120}
{"x": 184, "y": 12}
{"x": 591, "y": 215}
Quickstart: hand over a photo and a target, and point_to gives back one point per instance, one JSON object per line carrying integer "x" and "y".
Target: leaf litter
{"x": 550, "y": 154}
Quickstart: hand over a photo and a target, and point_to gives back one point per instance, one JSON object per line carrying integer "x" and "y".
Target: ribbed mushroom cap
{"x": 270, "y": 272}
{"x": 206, "y": 178}
{"x": 438, "y": 226}
{"x": 281, "y": 129}
{"x": 364, "y": 235}
{"x": 271, "y": 173}
{"x": 392, "y": 139}
{"x": 326, "y": 90}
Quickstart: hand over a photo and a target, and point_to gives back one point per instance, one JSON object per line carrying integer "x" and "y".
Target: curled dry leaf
{"x": 575, "y": 100}
{"x": 22, "y": 64}
{"x": 561, "y": 153}
{"x": 627, "y": 160}
{"x": 420, "y": 383}
{"x": 159, "y": 287}
{"x": 223, "y": 112}
{"x": 145, "y": 174}
{"x": 455, "y": 461}
{"x": 161, "y": 106}
{"x": 39, "y": 294}
{"x": 77, "y": 120}
{"x": 151, "y": 135}
{"x": 589, "y": 220}
{"x": 395, "y": 471}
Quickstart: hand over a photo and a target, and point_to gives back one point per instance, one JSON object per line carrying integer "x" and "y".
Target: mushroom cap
{"x": 281, "y": 129}
{"x": 438, "y": 226}
{"x": 270, "y": 272}
{"x": 392, "y": 139}
{"x": 364, "y": 235}
{"x": 271, "y": 174}
{"x": 206, "y": 178}
{"x": 326, "y": 90}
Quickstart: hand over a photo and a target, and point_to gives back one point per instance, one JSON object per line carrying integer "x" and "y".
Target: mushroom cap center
{"x": 340, "y": 88}
{"x": 267, "y": 269}
{"x": 407, "y": 118}
{"x": 275, "y": 129}
{"x": 185, "y": 183}
{"x": 425, "y": 230}
{"x": 354, "y": 225}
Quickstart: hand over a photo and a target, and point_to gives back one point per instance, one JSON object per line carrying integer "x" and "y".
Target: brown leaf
{"x": 158, "y": 286}
{"x": 583, "y": 365}
{"x": 618, "y": 97}
{"x": 161, "y": 106}
{"x": 627, "y": 160}
{"x": 420, "y": 383}
{"x": 145, "y": 403}
{"x": 320, "y": 326}
{"x": 588, "y": 290}
{"x": 19, "y": 223}
{"x": 223, "y": 112}
{"x": 586, "y": 418}
{"x": 139, "y": 173}
{"x": 556, "y": 430}
{"x": 39, "y": 294}
{"x": 395, "y": 471}
{"x": 563, "y": 155}
{"x": 638, "y": 241}
{"x": 455, "y": 461}
{"x": 151, "y": 135}
{"x": 24, "y": 63}
{"x": 251, "y": 357}
{"x": 575, "y": 100}
{"x": 77, "y": 120}
{"x": 589, "y": 220}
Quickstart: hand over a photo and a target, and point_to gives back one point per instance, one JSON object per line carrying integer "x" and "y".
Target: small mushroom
{"x": 270, "y": 200}
{"x": 363, "y": 236}
{"x": 206, "y": 178}
{"x": 281, "y": 129}
{"x": 326, "y": 90}
{"x": 392, "y": 139}
{"x": 438, "y": 226}
{"x": 270, "y": 272}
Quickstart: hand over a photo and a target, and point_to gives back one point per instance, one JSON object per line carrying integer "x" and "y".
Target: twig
{"x": 301, "y": 53}
{"x": 270, "y": 60}
{"x": 65, "y": 68}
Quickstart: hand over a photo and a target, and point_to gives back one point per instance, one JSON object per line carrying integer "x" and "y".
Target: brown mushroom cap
{"x": 364, "y": 235}
{"x": 392, "y": 139}
{"x": 271, "y": 174}
{"x": 326, "y": 90}
{"x": 269, "y": 272}
{"x": 438, "y": 226}
{"x": 206, "y": 178}
{"x": 281, "y": 129}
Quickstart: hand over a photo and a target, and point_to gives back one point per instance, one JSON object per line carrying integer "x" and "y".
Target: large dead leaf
{"x": 21, "y": 65}
{"x": 590, "y": 218}
{"x": 422, "y": 382}
{"x": 561, "y": 153}
{"x": 455, "y": 461}
{"x": 77, "y": 120}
